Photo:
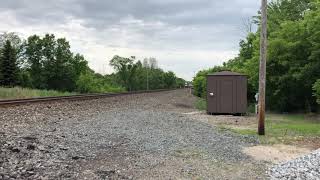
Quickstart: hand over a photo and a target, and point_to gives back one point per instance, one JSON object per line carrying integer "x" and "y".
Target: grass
{"x": 284, "y": 128}
{"x": 201, "y": 104}
{"x": 293, "y": 125}
{"x": 18, "y": 93}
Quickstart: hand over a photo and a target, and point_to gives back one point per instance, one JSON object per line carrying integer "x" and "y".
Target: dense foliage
{"x": 8, "y": 65}
{"x": 293, "y": 64}
{"x": 316, "y": 88}
{"x": 48, "y": 63}
{"x": 134, "y": 75}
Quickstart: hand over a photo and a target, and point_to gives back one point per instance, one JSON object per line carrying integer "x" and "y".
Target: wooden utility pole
{"x": 147, "y": 78}
{"x": 262, "y": 69}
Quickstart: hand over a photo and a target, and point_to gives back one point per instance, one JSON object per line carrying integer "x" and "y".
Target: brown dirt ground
{"x": 276, "y": 153}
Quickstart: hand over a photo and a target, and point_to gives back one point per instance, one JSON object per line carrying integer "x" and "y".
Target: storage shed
{"x": 226, "y": 93}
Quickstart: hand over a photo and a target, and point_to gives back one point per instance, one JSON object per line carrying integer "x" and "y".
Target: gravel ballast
{"x": 305, "y": 167}
{"x": 143, "y": 136}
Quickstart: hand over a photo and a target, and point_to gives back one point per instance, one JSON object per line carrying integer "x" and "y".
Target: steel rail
{"x": 73, "y": 97}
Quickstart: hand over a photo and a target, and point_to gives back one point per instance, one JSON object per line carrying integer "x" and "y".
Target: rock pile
{"x": 305, "y": 167}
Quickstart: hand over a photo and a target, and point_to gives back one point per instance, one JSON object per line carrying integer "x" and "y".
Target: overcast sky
{"x": 184, "y": 35}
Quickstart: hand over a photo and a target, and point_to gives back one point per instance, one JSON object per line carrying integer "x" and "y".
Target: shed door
{"x": 212, "y": 94}
{"x": 226, "y": 96}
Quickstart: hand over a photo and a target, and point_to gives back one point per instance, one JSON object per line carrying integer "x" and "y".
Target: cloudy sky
{"x": 184, "y": 35}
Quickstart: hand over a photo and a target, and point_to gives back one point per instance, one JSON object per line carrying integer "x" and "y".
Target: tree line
{"x": 48, "y": 63}
{"x": 137, "y": 75}
{"x": 293, "y": 63}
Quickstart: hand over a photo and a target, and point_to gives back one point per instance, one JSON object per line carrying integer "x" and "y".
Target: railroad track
{"x": 72, "y": 97}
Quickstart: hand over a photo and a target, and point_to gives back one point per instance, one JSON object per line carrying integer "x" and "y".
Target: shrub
{"x": 89, "y": 83}
{"x": 201, "y": 104}
{"x": 316, "y": 89}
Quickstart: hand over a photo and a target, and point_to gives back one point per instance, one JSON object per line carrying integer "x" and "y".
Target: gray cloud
{"x": 161, "y": 26}
{"x": 107, "y": 12}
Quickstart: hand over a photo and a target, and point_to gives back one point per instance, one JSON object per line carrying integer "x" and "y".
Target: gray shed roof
{"x": 226, "y": 73}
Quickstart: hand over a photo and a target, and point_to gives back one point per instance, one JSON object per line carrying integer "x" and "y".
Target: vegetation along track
{"x": 72, "y": 97}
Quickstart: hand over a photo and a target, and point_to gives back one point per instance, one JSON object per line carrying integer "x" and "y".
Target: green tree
{"x": 200, "y": 80}
{"x": 51, "y": 63}
{"x": 316, "y": 89}
{"x": 169, "y": 80}
{"x": 87, "y": 83}
{"x": 35, "y": 61}
{"x": 180, "y": 83}
{"x": 80, "y": 64}
{"x": 156, "y": 79}
{"x": 8, "y": 67}
{"x": 293, "y": 63}
{"x": 48, "y": 63}
{"x": 16, "y": 43}
{"x": 24, "y": 78}
{"x": 199, "y": 86}
{"x": 125, "y": 69}
{"x": 59, "y": 72}
{"x": 141, "y": 76}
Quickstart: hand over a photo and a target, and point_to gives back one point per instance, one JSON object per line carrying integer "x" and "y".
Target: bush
{"x": 90, "y": 83}
{"x": 18, "y": 92}
{"x": 86, "y": 83}
{"x": 200, "y": 81}
{"x": 199, "y": 86}
{"x": 201, "y": 104}
{"x": 316, "y": 89}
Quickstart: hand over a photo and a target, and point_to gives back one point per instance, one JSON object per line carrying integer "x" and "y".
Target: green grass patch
{"x": 292, "y": 125}
{"x": 18, "y": 93}
{"x": 222, "y": 128}
{"x": 245, "y": 131}
{"x": 201, "y": 104}
{"x": 283, "y": 128}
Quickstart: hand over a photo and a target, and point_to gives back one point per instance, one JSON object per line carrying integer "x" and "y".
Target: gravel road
{"x": 143, "y": 136}
{"x": 305, "y": 167}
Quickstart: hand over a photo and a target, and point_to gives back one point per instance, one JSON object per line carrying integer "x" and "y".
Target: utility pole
{"x": 148, "y": 78}
{"x": 262, "y": 68}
